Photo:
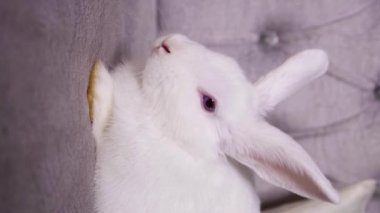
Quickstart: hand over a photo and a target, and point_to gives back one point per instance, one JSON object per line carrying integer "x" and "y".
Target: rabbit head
{"x": 195, "y": 92}
{"x": 203, "y": 100}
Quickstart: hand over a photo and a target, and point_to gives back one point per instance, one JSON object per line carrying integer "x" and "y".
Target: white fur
{"x": 161, "y": 152}
{"x": 295, "y": 73}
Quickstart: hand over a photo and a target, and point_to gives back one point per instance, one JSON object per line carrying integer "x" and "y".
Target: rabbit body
{"x": 139, "y": 170}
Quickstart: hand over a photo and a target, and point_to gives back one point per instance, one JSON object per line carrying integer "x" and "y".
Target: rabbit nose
{"x": 167, "y": 43}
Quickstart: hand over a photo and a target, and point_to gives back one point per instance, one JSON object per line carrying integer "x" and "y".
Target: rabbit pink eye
{"x": 209, "y": 103}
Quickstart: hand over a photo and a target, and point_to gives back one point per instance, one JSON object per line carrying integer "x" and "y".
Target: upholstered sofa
{"x": 47, "y": 48}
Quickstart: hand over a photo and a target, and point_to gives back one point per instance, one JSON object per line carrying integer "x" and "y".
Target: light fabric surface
{"x": 47, "y": 152}
{"x": 353, "y": 199}
{"x": 47, "y": 49}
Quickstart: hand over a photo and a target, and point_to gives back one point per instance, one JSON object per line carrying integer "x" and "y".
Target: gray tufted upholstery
{"x": 47, "y": 48}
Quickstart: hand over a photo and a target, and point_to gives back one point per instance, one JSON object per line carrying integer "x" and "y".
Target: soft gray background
{"x": 47, "y": 48}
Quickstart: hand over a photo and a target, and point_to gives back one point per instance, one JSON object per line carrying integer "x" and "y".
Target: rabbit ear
{"x": 296, "y": 72}
{"x": 278, "y": 159}
{"x": 99, "y": 96}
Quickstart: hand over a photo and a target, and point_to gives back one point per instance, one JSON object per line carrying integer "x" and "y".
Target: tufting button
{"x": 269, "y": 39}
{"x": 376, "y": 92}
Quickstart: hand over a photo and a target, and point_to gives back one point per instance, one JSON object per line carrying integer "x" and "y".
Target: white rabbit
{"x": 167, "y": 133}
